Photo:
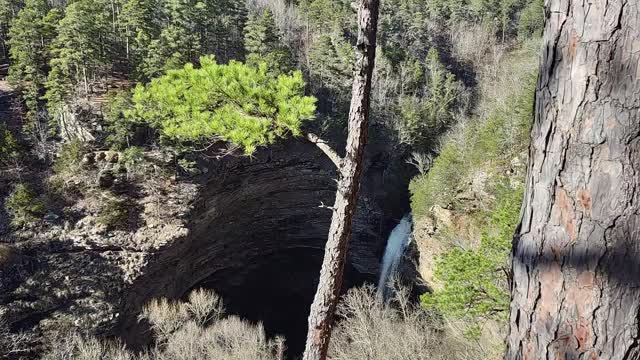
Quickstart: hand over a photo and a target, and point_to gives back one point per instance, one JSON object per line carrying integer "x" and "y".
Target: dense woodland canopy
{"x": 185, "y": 74}
{"x": 62, "y": 52}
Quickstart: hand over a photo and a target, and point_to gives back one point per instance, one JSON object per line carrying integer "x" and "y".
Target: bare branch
{"x": 326, "y": 149}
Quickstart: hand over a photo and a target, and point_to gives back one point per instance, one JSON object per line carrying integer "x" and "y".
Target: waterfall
{"x": 396, "y": 244}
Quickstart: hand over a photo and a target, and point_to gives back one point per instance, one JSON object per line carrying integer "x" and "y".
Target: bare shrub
{"x": 205, "y": 306}
{"x": 399, "y": 330}
{"x": 12, "y": 345}
{"x": 421, "y": 161}
{"x": 165, "y": 317}
{"x": 193, "y": 330}
{"x": 475, "y": 43}
{"x": 76, "y": 347}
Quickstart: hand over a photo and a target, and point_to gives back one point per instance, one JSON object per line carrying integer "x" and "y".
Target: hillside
{"x": 186, "y": 151}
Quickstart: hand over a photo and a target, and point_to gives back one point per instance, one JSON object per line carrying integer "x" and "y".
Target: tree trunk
{"x": 576, "y": 257}
{"x": 328, "y": 293}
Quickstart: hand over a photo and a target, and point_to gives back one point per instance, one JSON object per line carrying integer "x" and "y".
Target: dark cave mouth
{"x": 277, "y": 291}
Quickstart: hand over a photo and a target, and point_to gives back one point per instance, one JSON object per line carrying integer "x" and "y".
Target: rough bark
{"x": 576, "y": 257}
{"x": 331, "y": 274}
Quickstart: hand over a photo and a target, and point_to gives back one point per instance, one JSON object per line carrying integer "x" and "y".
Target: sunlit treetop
{"x": 237, "y": 103}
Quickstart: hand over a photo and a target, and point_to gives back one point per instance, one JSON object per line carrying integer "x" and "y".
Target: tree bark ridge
{"x": 331, "y": 274}
{"x": 576, "y": 255}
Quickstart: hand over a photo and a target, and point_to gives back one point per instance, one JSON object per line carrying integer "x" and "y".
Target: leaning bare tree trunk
{"x": 576, "y": 259}
{"x": 350, "y": 169}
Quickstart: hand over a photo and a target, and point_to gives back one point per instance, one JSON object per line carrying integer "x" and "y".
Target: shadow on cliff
{"x": 257, "y": 235}
{"x": 50, "y": 288}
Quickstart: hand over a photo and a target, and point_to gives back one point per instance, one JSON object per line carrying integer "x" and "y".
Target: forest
{"x": 319, "y": 179}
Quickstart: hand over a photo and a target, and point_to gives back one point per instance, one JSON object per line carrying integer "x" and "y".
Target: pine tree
{"x": 262, "y": 44}
{"x": 261, "y": 35}
{"x": 330, "y": 59}
{"x": 241, "y": 104}
{"x": 30, "y": 32}
{"x": 80, "y": 52}
{"x": 137, "y": 21}
{"x": 225, "y": 29}
{"x": 350, "y": 168}
{"x": 80, "y": 48}
{"x": 8, "y": 11}
{"x": 179, "y": 41}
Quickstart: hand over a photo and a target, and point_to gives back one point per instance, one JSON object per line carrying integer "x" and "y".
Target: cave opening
{"x": 278, "y": 292}
{"x": 257, "y": 235}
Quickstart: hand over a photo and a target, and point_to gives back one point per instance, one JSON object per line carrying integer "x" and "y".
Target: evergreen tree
{"x": 8, "y": 11}
{"x": 81, "y": 48}
{"x": 31, "y": 30}
{"x": 224, "y": 35}
{"x": 330, "y": 60}
{"x": 137, "y": 21}
{"x": 81, "y": 52}
{"x": 429, "y": 101}
{"x": 179, "y": 40}
{"x": 237, "y": 103}
{"x": 262, "y": 44}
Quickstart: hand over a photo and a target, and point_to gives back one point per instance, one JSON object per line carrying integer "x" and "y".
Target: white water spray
{"x": 396, "y": 244}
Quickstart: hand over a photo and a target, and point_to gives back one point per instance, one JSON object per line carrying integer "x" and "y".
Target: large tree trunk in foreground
{"x": 350, "y": 169}
{"x": 576, "y": 259}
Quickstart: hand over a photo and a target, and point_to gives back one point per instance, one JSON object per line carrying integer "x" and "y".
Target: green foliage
{"x": 237, "y": 103}
{"x": 262, "y": 44}
{"x": 136, "y": 21}
{"x": 135, "y": 162}
{"x": 425, "y": 117}
{"x": 403, "y": 36}
{"x": 30, "y": 31}
{"x": 495, "y": 141}
{"x": 503, "y": 13}
{"x": 261, "y": 35}
{"x": 331, "y": 60}
{"x": 475, "y": 280}
{"x": 70, "y": 157}
{"x": 223, "y": 31}
{"x": 531, "y": 21}
{"x": 470, "y": 10}
{"x": 323, "y": 15}
{"x": 114, "y": 213}
{"x": 175, "y": 47}
{"x": 188, "y": 29}
{"x": 132, "y": 155}
{"x": 8, "y": 11}
{"x": 440, "y": 184}
{"x": 9, "y": 149}
{"x": 119, "y": 128}
{"x": 24, "y": 205}
{"x": 80, "y": 52}
{"x": 189, "y": 167}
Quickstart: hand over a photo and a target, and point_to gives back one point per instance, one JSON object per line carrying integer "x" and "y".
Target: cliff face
{"x": 250, "y": 228}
